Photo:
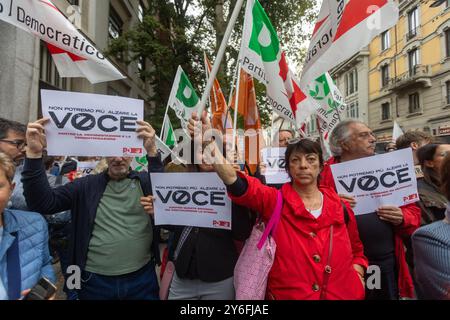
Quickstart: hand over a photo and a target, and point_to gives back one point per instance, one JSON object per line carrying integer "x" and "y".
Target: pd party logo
{"x": 131, "y": 152}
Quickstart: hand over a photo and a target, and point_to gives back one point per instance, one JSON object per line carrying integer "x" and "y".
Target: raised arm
{"x": 39, "y": 195}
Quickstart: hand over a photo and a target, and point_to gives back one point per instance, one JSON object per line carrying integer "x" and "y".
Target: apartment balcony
{"x": 419, "y": 75}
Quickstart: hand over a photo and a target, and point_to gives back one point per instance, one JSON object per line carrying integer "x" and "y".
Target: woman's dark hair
{"x": 427, "y": 153}
{"x": 445, "y": 176}
{"x": 304, "y": 146}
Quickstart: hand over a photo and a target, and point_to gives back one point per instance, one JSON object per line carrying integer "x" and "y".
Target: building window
{"x": 115, "y": 24}
{"x": 447, "y": 42}
{"x": 141, "y": 10}
{"x": 385, "y": 111}
{"x": 414, "y": 103}
{"x": 353, "y": 110}
{"x": 413, "y": 23}
{"x": 384, "y": 76}
{"x": 74, "y": 2}
{"x": 385, "y": 41}
{"x": 312, "y": 125}
{"x": 112, "y": 92}
{"x": 351, "y": 80}
{"x": 48, "y": 71}
{"x": 447, "y": 87}
{"x": 413, "y": 61}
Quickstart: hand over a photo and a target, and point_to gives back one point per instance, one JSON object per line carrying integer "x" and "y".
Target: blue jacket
{"x": 35, "y": 259}
{"x": 82, "y": 197}
{"x": 431, "y": 247}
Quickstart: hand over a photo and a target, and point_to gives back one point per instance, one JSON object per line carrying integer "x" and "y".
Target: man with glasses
{"x": 13, "y": 143}
{"x": 382, "y": 231}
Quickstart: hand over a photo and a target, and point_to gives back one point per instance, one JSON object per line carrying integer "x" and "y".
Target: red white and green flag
{"x": 168, "y": 136}
{"x": 262, "y": 57}
{"x": 342, "y": 29}
{"x": 74, "y": 55}
{"x": 183, "y": 99}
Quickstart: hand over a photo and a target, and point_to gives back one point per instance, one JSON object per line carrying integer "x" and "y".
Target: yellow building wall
{"x": 430, "y": 51}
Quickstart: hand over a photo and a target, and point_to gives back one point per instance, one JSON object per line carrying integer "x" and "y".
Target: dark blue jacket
{"x": 82, "y": 197}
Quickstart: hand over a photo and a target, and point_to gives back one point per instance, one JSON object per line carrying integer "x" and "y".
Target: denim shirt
{"x": 3, "y": 293}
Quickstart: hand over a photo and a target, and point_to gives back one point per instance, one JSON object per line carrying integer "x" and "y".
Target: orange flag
{"x": 248, "y": 108}
{"x": 218, "y": 105}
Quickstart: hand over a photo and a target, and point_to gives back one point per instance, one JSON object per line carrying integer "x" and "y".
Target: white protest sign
{"x": 84, "y": 124}
{"x": 381, "y": 180}
{"x": 191, "y": 199}
{"x": 275, "y": 165}
{"x": 85, "y": 168}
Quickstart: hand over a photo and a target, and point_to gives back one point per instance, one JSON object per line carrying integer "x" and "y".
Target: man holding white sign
{"x": 381, "y": 231}
{"x": 114, "y": 239}
{"x": 91, "y": 125}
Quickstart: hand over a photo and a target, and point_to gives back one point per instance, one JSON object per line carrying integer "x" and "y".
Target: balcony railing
{"x": 412, "y": 34}
{"x": 419, "y": 74}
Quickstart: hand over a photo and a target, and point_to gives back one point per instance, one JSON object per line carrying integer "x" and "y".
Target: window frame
{"x": 385, "y": 40}
{"x": 115, "y": 21}
{"x": 385, "y": 115}
{"x": 415, "y": 106}
{"x": 385, "y": 78}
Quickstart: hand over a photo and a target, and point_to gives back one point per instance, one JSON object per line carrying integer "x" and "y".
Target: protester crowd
{"x": 103, "y": 222}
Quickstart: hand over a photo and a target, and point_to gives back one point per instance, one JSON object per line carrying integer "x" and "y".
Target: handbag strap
{"x": 182, "y": 240}
{"x": 327, "y": 271}
{"x": 270, "y": 228}
{"x": 13, "y": 269}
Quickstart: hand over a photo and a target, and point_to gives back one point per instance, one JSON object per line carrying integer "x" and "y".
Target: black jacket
{"x": 211, "y": 254}
{"x": 82, "y": 197}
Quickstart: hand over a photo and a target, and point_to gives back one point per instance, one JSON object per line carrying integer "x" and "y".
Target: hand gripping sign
{"x": 387, "y": 179}
{"x": 92, "y": 125}
{"x": 191, "y": 199}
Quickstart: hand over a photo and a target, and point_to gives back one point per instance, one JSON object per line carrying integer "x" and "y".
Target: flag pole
{"x": 230, "y": 97}
{"x": 165, "y": 114}
{"x": 206, "y": 74}
{"x": 236, "y": 106}
{"x": 220, "y": 55}
{"x": 320, "y": 132}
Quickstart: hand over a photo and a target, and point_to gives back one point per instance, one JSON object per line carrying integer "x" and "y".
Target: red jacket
{"x": 303, "y": 245}
{"x": 411, "y": 221}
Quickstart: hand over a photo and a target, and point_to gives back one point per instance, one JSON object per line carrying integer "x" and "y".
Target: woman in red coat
{"x": 307, "y": 266}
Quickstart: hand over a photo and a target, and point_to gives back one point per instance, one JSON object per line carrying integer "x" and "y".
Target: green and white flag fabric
{"x": 141, "y": 164}
{"x": 168, "y": 136}
{"x": 183, "y": 98}
{"x": 331, "y": 102}
{"x": 325, "y": 93}
{"x": 262, "y": 57}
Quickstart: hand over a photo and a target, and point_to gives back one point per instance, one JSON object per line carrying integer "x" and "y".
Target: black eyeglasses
{"x": 20, "y": 144}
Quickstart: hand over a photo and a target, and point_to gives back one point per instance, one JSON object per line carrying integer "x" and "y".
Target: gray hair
{"x": 340, "y": 134}
{"x": 276, "y": 136}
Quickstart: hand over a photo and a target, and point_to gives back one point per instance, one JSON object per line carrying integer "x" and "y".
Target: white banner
{"x": 275, "y": 165}
{"x": 74, "y": 55}
{"x": 383, "y": 180}
{"x": 84, "y": 124}
{"x": 343, "y": 28}
{"x": 191, "y": 199}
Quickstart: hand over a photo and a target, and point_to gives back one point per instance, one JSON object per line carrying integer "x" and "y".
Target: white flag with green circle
{"x": 262, "y": 57}
{"x": 168, "y": 136}
{"x": 183, "y": 98}
{"x": 331, "y": 101}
